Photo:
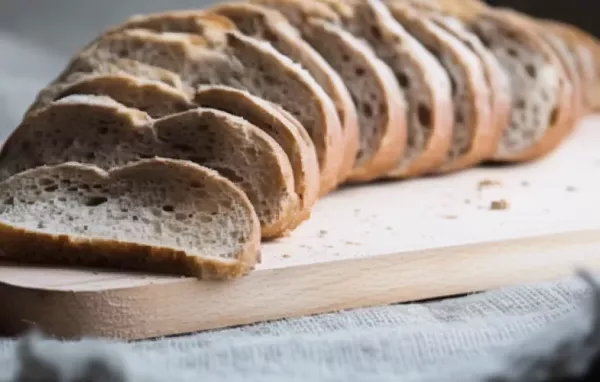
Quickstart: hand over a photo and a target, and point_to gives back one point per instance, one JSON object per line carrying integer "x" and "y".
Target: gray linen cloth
{"x": 540, "y": 332}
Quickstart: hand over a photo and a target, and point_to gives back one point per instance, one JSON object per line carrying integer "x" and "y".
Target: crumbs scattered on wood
{"x": 525, "y": 183}
{"x": 488, "y": 183}
{"x": 571, "y": 189}
{"x": 467, "y": 201}
{"x": 450, "y": 217}
{"x": 286, "y": 256}
{"x": 499, "y": 205}
{"x": 388, "y": 228}
{"x": 322, "y": 233}
{"x": 352, "y": 243}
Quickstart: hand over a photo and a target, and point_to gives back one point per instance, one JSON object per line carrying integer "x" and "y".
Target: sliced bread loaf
{"x": 268, "y": 25}
{"x": 282, "y": 127}
{"x": 425, "y": 82}
{"x": 374, "y": 89}
{"x": 239, "y": 61}
{"x": 541, "y": 95}
{"x": 98, "y": 130}
{"x": 497, "y": 79}
{"x": 473, "y": 128}
{"x": 156, "y": 215}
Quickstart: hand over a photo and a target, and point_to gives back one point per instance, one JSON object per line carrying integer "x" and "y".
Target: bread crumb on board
{"x": 450, "y": 217}
{"x": 286, "y": 256}
{"x": 571, "y": 189}
{"x": 500, "y": 204}
{"x": 488, "y": 183}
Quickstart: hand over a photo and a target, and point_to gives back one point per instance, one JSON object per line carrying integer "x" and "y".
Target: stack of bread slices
{"x": 176, "y": 142}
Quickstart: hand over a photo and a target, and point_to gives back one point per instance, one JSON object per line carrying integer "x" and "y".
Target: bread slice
{"x": 282, "y": 127}
{"x": 585, "y": 50}
{"x": 98, "y": 130}
{"x": 541, "y": 106}
{"x": 425, "y": 83}
{"x": 270, "y": 26}
{"x": 239, "y": 61}
{"x": 157, "y": 215}
{"x": 473, "y": 128}
{"x": 152, "y": 97}
{"x": 495, "y": 76}
{"x": 82, "y": 66}
{"x": 380, "y": 103}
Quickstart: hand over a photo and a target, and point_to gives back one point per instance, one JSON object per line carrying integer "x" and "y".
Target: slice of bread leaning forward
{"x": 156, "y": 215}
{"x": 98, "y": 130}
{"x": 473, "y": 128}
{"x": 377, "y": 97}
{"x": 425, "y": 83}
{"x": 227, "y": 57}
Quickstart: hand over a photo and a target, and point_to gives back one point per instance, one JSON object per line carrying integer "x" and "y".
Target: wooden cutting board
{"x": 377, "y": 244}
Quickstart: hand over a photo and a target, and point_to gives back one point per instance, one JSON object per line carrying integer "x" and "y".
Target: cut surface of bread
{"x": 374, "y": 89}
{"x": 152, "y": 97}
{"x": 84, "y": 66}
{"x": 269, "y": 25}
{"x": 496, "y": 78}
{"x": 541, "y": 95}
{"x": 157, "y": 215}
{"x": 425, "y": 83}
{"x": 98, "y": 130}
{"x": 473, "y": 128}
{"x": 233, "y": 59}
{"x": 284, "y": 129}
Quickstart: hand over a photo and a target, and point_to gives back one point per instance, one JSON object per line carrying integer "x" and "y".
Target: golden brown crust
{"x": 59, "y": 249}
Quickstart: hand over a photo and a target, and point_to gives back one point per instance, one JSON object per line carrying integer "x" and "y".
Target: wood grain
{"x": 363, "y": 246}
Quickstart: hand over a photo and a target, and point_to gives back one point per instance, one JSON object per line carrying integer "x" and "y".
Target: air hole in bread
{"x": 90, "y": 156}
{"x": 51, "y": 188}
{"x": 512, "y": 52}
{"x": 375, "y": 32}
{"x": 459, "y": 117}
{"x": 102, "y": 130}
{"x": 424, "y": 115}
{"x": 403, "y": 80}
{"x": 25, "y": 145}
{"x": 96, "y": 186}
{"x": 345, "y": 57}
{"x": 94, "y": 201}
{"x": 397, "y": 39}
{"x": 485, "y": 41}
{"x": 554, "y": 116}
{"x": 367, "y": 110}
{"x": 122, "y": 52}
{"x": 359, "y": 71}
{"x": 180, "y": 216}
{"x": 85, "y": 227}
{"x": 168, "y": 208}
{"x": 72, "y": 188}
{"x": 9, "y": 201}
{"x": 184, "y": 148}
{"x": 269, "y": 36}
{"x": 46, "y": 181}
{"x": 135, "y": 218}
{"x": 453, "y": 85}
{"x": 531, "y": 70}
{"x": 62, "y": 199}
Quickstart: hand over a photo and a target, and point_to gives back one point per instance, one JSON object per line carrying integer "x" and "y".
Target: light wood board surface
{"x": 376, "y": 244}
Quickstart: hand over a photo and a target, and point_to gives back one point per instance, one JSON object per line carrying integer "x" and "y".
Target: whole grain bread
{"x": 541, "y": 94}
{"x": 227, "y": 57}
{"x": 282, "y": 127}
{"x": 98, "y": 130}
{"x": 425, "y": 82}
{"x": 271, "y": 26}
{"x": 381, "y": 106}
{"x": 473, "y": 128}
{"x": 158, "y": 215}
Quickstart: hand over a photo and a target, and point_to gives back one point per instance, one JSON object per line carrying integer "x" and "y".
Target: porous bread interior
{"x": 260, "y": 71}
{"x": 410, "y": 76}
{"x": 159, "y": 207}
{"x": 152, "y": 97}
{"x": 333, "y": 43}
{"x": 111, "y": 135}
{"x": 535, "y": 87}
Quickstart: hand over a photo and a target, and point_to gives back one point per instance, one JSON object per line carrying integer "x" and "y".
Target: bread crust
{"x": 25, "y": 245}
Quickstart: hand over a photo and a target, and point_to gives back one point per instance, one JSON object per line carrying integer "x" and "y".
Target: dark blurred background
{"x": 38, "y": 36}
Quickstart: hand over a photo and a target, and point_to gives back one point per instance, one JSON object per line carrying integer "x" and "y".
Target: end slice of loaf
{"x": 157, "y": 215}
{"x": 473, "y": 128}
{"x": 271, "y": 26}
{"x": 245, "y": 63}
{"x": 541, "y": 96}
{"x": 98, "y": 130}
{"x": 282, "y": 127}
{"x": 380, "y": 103}
{"x": 424, "y": 81}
